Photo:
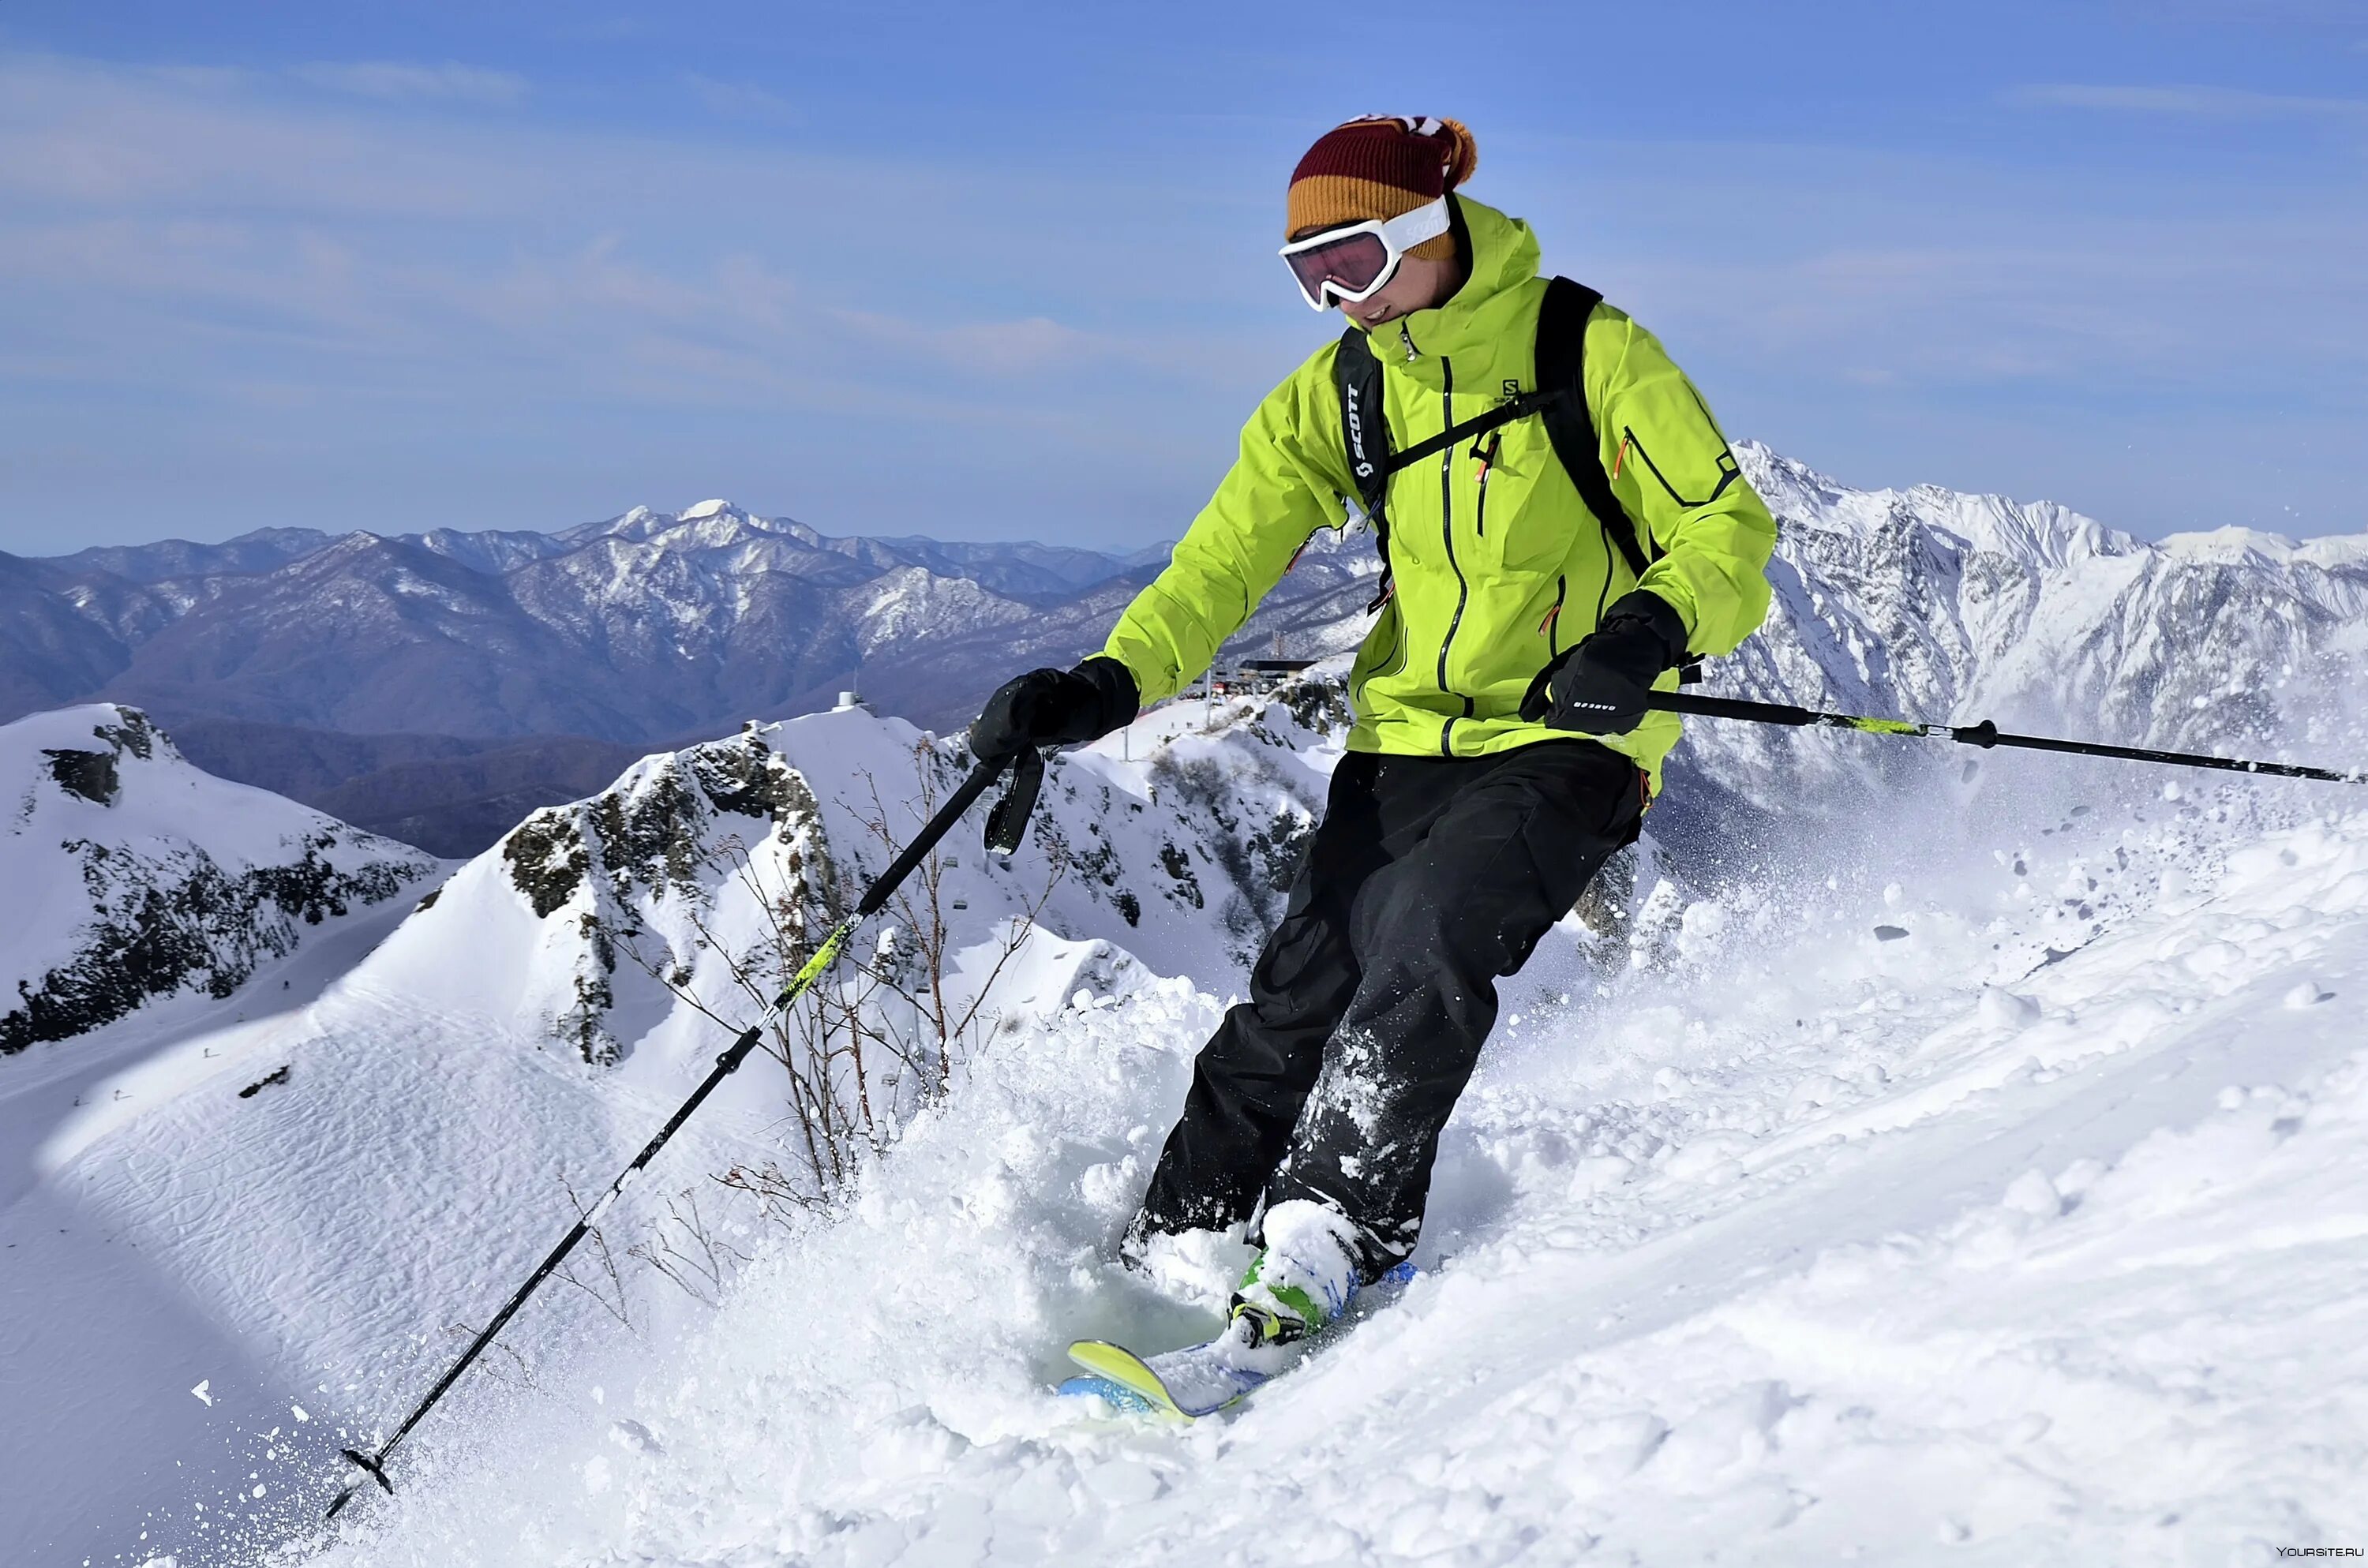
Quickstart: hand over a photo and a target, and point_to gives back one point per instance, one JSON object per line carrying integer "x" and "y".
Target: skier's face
{"x": 1420, "y": 283}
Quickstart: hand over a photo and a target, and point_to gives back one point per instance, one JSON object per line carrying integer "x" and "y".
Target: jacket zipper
{"x": 1486, "y": 457}
{"x": 1553, "y": 627}
{"x": 1447, "y": 535}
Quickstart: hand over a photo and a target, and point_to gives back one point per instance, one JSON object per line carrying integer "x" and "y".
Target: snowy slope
{"x": 2026, "y": 1235}
{"x": 295, "y": 1211}
{"x": 1988, "y": 1189}
{"x": 161, "y": 928}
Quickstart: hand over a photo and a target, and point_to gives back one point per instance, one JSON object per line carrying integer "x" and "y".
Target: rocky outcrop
{"x": 134, "y": 876}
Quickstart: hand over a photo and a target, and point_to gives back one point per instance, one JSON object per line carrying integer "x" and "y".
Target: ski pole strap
{"x": 1984, "y": 734}
{"x": 1006, "y": 824}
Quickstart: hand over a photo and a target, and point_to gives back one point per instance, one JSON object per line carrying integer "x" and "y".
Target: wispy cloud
{"x": 236, "y": 224}
{"x": 740, "y": 100}
{"x": 451, "y": 82}
{"x": 992, "y": 348}
{"x": 2195, "y": 101}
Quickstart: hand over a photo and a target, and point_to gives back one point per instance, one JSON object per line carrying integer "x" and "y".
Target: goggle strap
{"x": 1400, "y": 233}
{"x": 1426, "y": 222}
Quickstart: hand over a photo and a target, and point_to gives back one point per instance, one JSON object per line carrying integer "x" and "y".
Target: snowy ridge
{"x": 1930, "y": 604}
{"x": 694, "y": 861}
{"x": 1933, "y": 603}
{"x": 132, "y": 875}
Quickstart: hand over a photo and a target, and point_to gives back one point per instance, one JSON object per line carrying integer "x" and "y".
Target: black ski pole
{"x": 1984, "y": 734}
{"x": 874, "y": 897}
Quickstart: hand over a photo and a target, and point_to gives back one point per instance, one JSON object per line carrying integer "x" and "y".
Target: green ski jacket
{"x": 1499, "y": 565}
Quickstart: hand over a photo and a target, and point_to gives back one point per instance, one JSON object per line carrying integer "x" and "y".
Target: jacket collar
{"x": 1486, "y": 328}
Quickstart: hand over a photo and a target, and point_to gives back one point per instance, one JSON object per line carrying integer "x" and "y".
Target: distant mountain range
{"x": 437, "y": 685}
{"x": 648, "y": 627}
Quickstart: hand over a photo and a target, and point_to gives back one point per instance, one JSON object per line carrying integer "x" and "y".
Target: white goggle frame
{"x": 1398, "y": 235}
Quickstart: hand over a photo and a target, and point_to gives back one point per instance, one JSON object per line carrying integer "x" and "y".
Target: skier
{"x": 1542, "y": 573}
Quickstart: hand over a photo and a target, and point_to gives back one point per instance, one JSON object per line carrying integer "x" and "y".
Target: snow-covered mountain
{"x": 646, "y": 626}
{"x": 654, "y": 628}
{"x": 653, "y": 625}
{"x": 1947, "y": 608}
{"x": 133, "y": 876}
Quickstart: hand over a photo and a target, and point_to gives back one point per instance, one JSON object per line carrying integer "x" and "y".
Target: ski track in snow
{"x": 1853, "y": 1250}
{"x": 2028, "y": 1237}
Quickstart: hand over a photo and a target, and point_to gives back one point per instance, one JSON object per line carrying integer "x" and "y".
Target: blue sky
{"x": 1007, "y": 271}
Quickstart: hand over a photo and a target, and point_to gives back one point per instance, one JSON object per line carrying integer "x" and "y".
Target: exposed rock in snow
{"x": 131, "y": 875}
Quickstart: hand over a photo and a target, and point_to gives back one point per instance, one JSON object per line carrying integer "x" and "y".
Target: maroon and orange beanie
{"x": 1378, "y": 167}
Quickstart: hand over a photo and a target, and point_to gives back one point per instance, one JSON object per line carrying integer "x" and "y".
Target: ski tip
{"x": 1117, "y": 1364}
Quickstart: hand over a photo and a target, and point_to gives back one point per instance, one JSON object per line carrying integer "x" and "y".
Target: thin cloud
{"x": 989, "y": 347}
{"x": 448, "y": 83}
{"x": 2197, "y": 102}
{"x": 740, "y": 100}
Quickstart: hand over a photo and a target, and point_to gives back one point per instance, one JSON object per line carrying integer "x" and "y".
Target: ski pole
{"x": 874, "y": 897}
{"x": 1984, "y": 734}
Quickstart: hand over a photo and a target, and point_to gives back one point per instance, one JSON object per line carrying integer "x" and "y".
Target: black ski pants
{"x": 1428, "y": 880}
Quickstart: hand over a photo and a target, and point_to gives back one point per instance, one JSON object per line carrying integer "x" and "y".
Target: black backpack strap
{"x": 1479, "y": 425}
{"x": 1365, "y": 430}
{"x": 1562, "y": 350}
{"x": 1570, "y": 424}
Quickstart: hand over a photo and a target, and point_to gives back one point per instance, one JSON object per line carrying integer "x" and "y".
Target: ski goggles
{"x": 1357, "y": 261}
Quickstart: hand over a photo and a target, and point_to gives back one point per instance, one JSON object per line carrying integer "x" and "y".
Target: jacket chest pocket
{"x": 1525, "y": 521}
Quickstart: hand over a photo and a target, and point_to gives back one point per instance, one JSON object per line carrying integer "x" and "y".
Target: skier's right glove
{"x": 1599, "y": 686}
{"x": 1055, "y": 708}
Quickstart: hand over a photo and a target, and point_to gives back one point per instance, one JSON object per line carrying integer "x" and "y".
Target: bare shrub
{"x": 863, "y": 1048}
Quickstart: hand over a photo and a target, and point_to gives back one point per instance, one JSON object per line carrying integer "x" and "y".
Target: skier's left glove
{"x": 1050, "y": 707}
{"x": 1599, "y": 688}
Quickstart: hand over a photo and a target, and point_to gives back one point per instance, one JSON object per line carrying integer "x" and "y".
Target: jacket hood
{"x": 1486, "y": 328}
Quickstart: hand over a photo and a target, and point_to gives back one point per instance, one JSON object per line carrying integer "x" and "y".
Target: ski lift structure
{"x": 1255, "y": 678}
{"x": 1246, "y": 677}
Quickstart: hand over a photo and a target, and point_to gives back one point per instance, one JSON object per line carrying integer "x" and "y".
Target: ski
{"x": 1200, "y": 1380}
{"x": 1184, "y": 1384}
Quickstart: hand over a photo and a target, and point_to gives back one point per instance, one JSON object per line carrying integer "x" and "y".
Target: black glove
{"x": 1054, "y": 707}
{"x": 1599, "y": 686}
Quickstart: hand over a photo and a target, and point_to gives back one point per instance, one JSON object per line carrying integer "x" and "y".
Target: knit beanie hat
{"x": 1378, "y": 167}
